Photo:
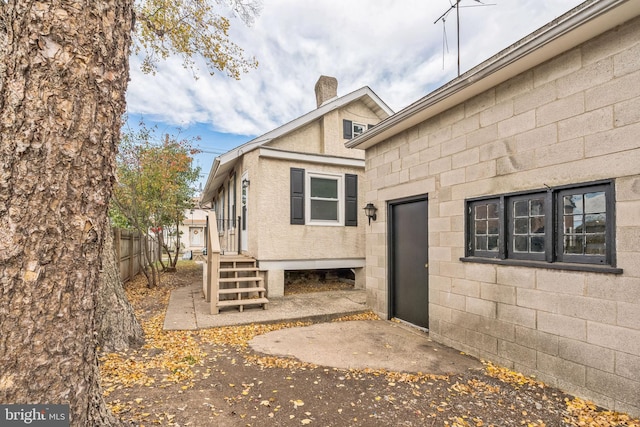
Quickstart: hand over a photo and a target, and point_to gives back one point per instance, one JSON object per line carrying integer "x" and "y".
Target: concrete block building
{"x": 508, "y": 201}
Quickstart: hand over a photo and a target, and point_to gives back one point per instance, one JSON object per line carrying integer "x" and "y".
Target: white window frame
{"x": 355, "y": 133}
{"x": 307, "y": 197}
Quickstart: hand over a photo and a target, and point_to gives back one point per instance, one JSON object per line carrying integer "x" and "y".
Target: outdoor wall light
{"x": 370, "y": 211}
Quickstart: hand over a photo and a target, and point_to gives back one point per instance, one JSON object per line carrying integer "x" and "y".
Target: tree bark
{"x": 150, "y": 270}
{"x": 118, "y": 328}
{"x": 63, "y": 76}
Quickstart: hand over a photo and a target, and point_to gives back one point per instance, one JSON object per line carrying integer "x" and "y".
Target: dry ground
{"x": 210, "y": 378}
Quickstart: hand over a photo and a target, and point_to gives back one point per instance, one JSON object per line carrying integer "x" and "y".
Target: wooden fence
{"x": 128, "y": 246}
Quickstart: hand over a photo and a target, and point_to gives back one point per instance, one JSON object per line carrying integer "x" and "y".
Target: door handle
{"x": 426, "y": 265}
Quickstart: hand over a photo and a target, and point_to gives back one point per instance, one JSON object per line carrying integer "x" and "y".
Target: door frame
{"x": 390, "y": 263}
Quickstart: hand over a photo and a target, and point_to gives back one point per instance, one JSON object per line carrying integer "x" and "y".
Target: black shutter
{"x": 351, "y": 200}
{"x": 297, "y": 196}
{"x": 347, "y": 129}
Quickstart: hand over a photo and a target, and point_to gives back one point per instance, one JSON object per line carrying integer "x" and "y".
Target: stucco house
{"x": 192, "y": 230}
{"x": 509, "y": 207}
{"x": 291, "y": 198}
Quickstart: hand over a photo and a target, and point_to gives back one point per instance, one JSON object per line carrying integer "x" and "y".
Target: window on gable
{"x": 568, "y": 224}
{"x": 358, "y": 129}
{"x": 351, "y": 129}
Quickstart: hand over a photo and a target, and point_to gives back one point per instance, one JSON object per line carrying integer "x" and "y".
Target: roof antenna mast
{"x": 443, "y": 18}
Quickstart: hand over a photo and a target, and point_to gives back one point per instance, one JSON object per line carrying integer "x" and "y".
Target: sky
{"x": 395, "y": 47}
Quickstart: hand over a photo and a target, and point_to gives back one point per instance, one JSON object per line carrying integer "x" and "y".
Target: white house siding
{"x": 272, "y": 240}
{"x": 192, "y": 230}
{"x": 573, "y": 119}
{"x": 281, "y": 240}
{"x": 307, "y": 139}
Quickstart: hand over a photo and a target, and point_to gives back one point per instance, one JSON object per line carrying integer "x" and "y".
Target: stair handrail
{"x": 211, "y": 268}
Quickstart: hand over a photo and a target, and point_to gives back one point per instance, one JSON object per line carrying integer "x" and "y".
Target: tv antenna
{"x": 443, "y": 18}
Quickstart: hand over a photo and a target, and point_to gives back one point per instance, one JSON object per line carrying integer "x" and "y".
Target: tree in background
{"x": 63, "y": 76}
{"x": 183, "y": 28}
{"x": 154, "y": 188}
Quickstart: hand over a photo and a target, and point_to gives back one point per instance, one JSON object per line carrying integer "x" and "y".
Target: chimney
{"x": 326, "y": 89}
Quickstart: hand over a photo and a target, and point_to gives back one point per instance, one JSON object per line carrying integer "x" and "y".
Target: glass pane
{"x": 520, "y": 225}
{"x": 493, "y": 226}
{"x": 536, "y": 225}
{"x": 492, "y": 243}
{"x": 481, "y": 243}
{"x": 358, "y": 129}
{"x": 325, "y": 188}
{"x": 573, "y": 224}
{"x": 486, "y": 226}
{"x": 595, "y": 244}
{"x": 573, "y": 204}
{"x": 573, "y": 244}
{"x": 537, "y": 244}
{"x": 595, "y": 202}
{"x": 324, "y": 210}
{"x": 521, "y": 208}
{"x": 492, "y": 210}
{"x": 520, "y": 244}
{"x": 481, "y": 211}
{"x": 537, "y": 207}
{"x": 595, "y": 223}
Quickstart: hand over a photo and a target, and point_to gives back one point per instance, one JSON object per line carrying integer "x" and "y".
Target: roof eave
{"x": 207, "y": 192}
{"x": 221, "y": 163}
{"x": 570, "y": 30}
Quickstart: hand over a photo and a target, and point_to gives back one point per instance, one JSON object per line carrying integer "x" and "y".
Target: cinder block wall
{"x": 571, "y": 120}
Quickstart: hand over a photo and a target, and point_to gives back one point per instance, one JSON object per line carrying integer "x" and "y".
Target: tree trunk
{"x": 118, "y": 328}
{"x": 174, "y": 262}
{"x": 63, "y": 76}
{"x": 150, "y": 269}
{"x": 160, "y": 240}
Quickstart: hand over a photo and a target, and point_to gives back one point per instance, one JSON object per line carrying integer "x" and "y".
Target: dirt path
{"x": 211, "y": 378}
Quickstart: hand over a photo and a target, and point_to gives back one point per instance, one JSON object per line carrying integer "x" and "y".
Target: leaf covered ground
{"x": 211, "y": 378}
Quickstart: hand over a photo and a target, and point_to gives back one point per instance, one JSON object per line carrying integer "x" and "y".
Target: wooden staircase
{"x": 240, "y": 283}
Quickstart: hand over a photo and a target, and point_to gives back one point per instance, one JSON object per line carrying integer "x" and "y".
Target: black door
{"x": 409, "y": 260}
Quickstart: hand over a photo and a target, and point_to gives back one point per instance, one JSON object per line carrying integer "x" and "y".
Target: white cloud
{"x": 391, "y": 46}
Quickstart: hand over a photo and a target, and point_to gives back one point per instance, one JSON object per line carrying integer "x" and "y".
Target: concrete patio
{"x": 187, "y": 309}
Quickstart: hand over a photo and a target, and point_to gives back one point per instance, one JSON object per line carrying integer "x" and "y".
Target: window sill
{"x": 324, "y": 224}
{"x": 590, "y": 268}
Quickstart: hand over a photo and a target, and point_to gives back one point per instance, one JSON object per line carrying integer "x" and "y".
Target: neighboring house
{"x": 291, "y": 197}
{"x": 192, "y": 230}
{"x": 509, "y": 207}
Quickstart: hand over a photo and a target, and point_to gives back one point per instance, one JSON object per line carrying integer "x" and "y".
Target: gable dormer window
{"x": 352, "y": 129}
{"x": 358, "y": 129}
